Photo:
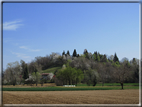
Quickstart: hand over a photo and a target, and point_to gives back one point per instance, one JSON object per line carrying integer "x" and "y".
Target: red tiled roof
{"x": 44, "y": 73}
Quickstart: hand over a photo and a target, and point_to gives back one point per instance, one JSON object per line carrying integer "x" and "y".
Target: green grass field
{"x": 112, "y": 84}
{"x": 69, "y": 88}
{"x": 51, "y": 70}
{"x": 107, "y": 86}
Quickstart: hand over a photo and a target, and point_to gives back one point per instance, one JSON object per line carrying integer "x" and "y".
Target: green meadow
{"x": 107, "y": 86}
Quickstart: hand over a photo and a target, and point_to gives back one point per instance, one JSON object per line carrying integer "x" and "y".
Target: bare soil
{"x": 129, "y": 96}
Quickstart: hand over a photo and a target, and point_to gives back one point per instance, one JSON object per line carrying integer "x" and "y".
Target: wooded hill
{"x": 87, "y": 68}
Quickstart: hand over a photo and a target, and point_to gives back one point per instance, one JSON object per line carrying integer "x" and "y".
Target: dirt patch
{"x": 72, "y": 97}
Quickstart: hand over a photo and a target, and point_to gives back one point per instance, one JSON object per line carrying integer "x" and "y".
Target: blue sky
{"x": 38, "y": 29}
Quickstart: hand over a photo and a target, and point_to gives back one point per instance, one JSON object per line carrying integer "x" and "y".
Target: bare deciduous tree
{"x": 122, "y": 72}
{"x": 14, "y": 70}
{"x": 102, "y": 73}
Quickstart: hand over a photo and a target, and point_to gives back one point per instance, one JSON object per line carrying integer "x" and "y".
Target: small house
{"x": 44, "y": 75}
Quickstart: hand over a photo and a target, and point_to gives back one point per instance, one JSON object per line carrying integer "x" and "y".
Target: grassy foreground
{"x": 79, "y": 88}
{"x": 112, "y": 84}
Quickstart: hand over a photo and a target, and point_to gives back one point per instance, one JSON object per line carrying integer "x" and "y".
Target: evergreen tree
{"x": 23, "y": 66}
{"x": 101, "y": 56}
{"x": 24, "y": 70}
{"x": 63, "y": 53}
{"x": 68, "y": 53}
{"x": 74, "y": 53}
{"x": 95, "y": 56}
{"x": 26, "y": 75}
{"x": 86, "y": 53}
{"x": 98, "y": 58}
{"x": 134, "y": 61}
{"x": 115, "y": 58}
{"x": 95, "y": 53}
{"x": 104, "y": 58}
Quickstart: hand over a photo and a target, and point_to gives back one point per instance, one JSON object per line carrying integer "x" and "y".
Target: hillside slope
{"x": 51, "y": 70}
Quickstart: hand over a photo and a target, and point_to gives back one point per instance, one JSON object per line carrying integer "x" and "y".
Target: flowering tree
{"x": 14, "y": 70}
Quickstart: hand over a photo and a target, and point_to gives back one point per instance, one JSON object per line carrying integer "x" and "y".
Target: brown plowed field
{"x": 72, "y": 97}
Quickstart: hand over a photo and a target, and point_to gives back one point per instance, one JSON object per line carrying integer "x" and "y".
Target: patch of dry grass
{"x": 72, "y": 97}
{"x": 29, "y": 86}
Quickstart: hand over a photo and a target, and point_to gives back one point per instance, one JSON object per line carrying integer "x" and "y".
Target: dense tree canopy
{"x": 86, "y": 68}
{"x": 70, "y": 75}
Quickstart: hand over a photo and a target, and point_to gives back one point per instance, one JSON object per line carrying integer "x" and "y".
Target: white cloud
{"x": 32, "y": 50}
{"x": 21, "y": 55}
{"x": 36, "y": 50}
{"x": 24, "y": 47}
{"x": 13, "y": 25}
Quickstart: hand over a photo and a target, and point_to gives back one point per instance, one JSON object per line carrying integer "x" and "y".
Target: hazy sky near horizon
{"x": 38, "y": 29}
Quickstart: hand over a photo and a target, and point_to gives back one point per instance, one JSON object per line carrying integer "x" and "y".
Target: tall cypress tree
{"x": 68, "y": 53}
{"x": 74, "y": 53}
{"x": 115, "y": 58}
{"x": 63, "y": 53}
{"x": 26, "y": 75}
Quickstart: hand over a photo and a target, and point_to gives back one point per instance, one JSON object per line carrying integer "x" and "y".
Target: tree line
{"x": 85, "y": 68}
